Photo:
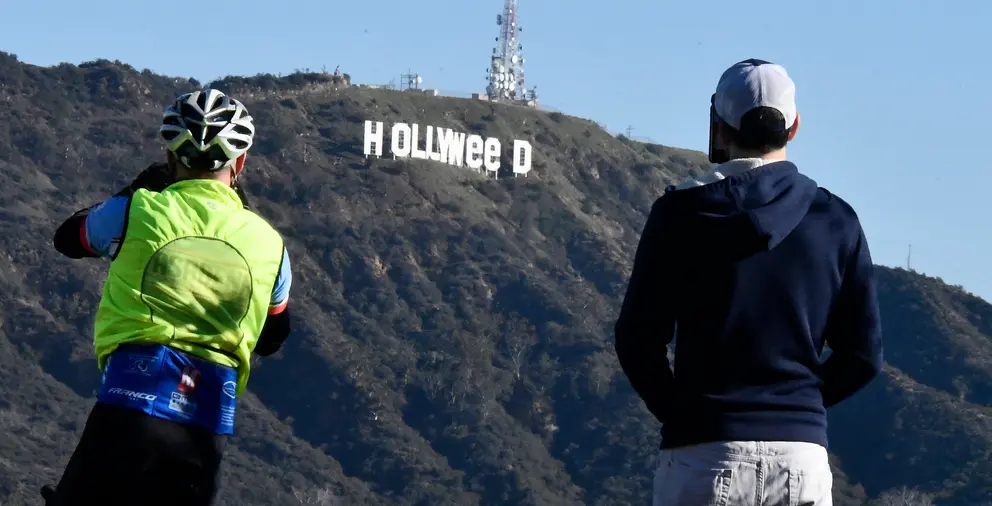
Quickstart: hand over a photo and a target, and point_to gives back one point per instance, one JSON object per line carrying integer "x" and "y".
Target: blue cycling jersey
{"x": 169, "y": 384}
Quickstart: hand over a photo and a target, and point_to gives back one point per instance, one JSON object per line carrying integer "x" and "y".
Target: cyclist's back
{"x": 197, "y": 283}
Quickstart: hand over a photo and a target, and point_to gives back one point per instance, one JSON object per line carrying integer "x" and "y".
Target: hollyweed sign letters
{"x": 447, "y": 146}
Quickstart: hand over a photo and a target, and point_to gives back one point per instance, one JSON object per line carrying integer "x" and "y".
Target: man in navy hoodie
{"x": 755, "y": 269}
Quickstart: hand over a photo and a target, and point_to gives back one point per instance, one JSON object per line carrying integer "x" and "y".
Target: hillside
{"x": 454, "y": 331}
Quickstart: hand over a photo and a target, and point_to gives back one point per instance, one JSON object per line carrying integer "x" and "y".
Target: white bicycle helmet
{"x": 207, "y": 130}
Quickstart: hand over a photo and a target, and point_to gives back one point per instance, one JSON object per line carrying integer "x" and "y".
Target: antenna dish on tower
{"x": 506, "y": 74}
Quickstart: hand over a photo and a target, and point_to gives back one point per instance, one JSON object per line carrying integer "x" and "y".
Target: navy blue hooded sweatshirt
{"x": 754, "y": 274}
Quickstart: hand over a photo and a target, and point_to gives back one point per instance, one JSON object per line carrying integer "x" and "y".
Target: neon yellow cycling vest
{"x": 195, "y": 272}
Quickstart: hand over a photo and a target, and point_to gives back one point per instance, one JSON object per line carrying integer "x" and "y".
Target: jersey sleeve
{"x": 280, "y": 292}
{"x": 103, "y": 228}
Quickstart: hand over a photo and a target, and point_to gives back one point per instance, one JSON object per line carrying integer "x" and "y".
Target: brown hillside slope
{"x": 454, "y": 331}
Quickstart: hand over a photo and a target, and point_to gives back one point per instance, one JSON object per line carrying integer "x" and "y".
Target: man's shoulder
{"x": 209, "y": 209}
{"x": 835, "y": 205}
{"x": 837, "y": 217}
{"x": 259, "y": 223}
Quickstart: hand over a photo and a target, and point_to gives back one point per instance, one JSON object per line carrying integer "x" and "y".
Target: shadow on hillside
{"x": 587, "y": 254}
{"x": 587, "y": 446}
{"x": 925, "y": 339}
{"x": 80, "y": 375}
{"x": 58, "y": 353}
{"x": 333, "y": 417}
{"x": 909, "y": 440}
{"x": 446, "y": 430}
{"x": 528, "y": 300}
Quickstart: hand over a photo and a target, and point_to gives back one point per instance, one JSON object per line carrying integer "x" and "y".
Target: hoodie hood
{"x": 752, "y": 204}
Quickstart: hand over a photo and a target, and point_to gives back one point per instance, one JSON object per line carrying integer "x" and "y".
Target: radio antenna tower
{"x": 410, "y": 81}
{"x": 506, "y": 72}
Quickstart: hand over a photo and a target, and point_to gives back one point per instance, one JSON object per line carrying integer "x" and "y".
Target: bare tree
{"x": 321, "y": 497}
{"x": 517, "y": 340}
{"x": 486, "y": 407}
{"x": 903, "y": 496}
{"x": 359, "y": 369}
{"x": 472, "y": 367}
{"x": 600, "y": 373}
{"x": 303, "y": 147}
{"x": 433, "y": 380}
{"x": 433, "y": 385}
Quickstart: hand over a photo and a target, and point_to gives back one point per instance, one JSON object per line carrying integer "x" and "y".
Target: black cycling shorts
{"x": 126, "y": 457}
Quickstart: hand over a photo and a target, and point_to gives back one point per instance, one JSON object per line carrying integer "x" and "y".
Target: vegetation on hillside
{"x": 454, "y": 330}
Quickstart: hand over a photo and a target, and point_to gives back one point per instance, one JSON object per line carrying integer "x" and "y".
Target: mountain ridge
{"x": 454, "y": 330}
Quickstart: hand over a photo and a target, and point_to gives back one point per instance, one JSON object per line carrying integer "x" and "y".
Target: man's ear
{"x": 794, "y": 129}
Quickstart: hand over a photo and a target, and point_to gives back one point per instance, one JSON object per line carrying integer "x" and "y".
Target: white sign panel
{"x": 447, "y": 146}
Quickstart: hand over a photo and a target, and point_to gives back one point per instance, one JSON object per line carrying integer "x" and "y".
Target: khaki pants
{"x": 744, "y": 473}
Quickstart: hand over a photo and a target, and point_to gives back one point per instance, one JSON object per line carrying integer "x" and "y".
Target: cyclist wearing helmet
{"x": 197, "y": 283}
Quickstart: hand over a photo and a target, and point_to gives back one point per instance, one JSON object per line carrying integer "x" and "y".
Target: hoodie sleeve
{"x": 853, "y": 330}
{"x": 646, "y": 324}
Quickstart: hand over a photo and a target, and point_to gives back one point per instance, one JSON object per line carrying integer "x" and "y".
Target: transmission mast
{"x": 410, "y": 81}
{"x": 506, "y": 71}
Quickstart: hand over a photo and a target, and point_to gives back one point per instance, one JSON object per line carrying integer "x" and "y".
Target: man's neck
{"x": 740, "y": 161}
{"x": 187, "y": 177}
{"x": 774, "y": 156}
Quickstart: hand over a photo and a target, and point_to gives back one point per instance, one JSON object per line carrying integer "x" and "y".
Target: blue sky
{"x": 894, "y": 95}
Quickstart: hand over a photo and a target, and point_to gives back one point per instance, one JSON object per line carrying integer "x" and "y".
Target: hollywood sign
{"x": 447, "y": 146}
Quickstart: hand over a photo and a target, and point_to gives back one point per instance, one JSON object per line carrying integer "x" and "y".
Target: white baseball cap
{"x": 755, "y": 83}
